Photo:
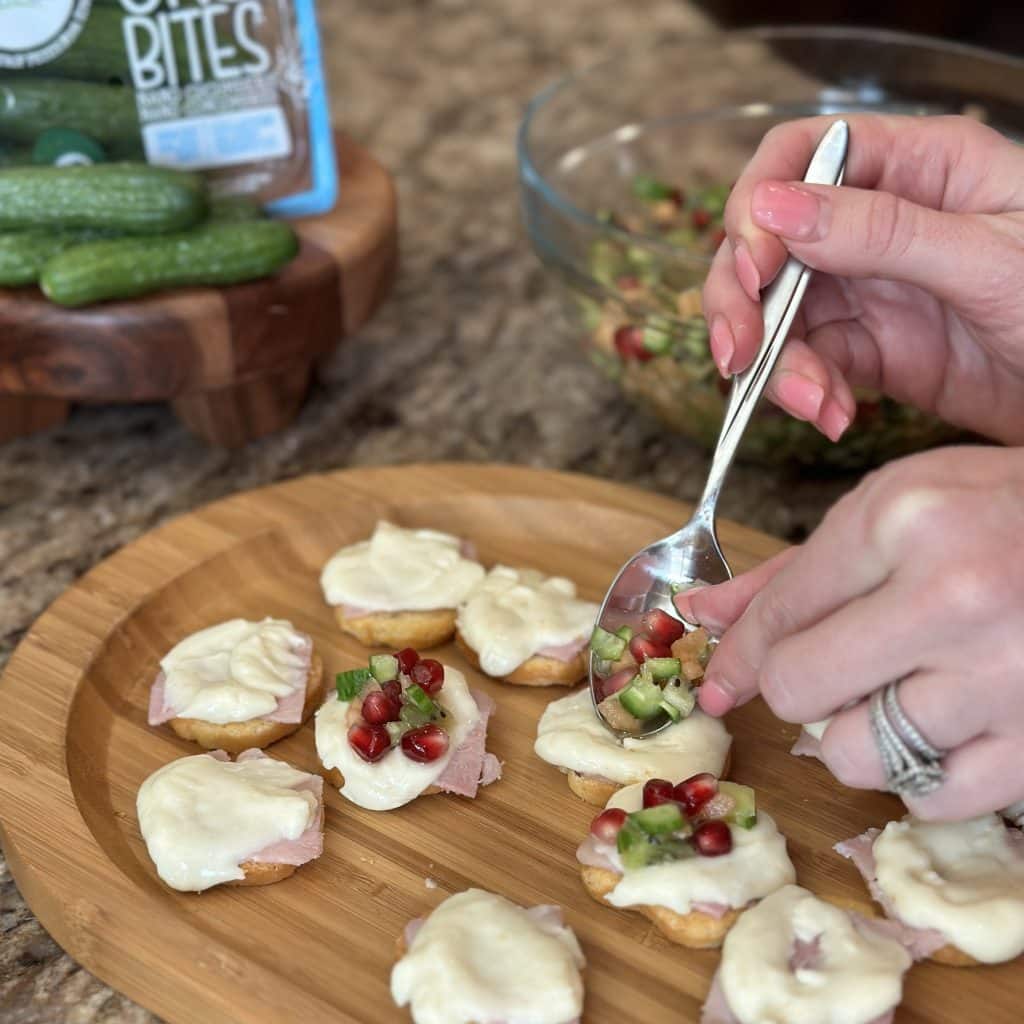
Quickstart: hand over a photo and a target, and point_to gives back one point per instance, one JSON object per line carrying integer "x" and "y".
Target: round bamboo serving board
{"x": 75, "y": 746}
{"x": 235, "y": 363}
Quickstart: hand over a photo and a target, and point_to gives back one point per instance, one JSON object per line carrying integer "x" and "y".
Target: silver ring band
{"x": 913, "y": 767}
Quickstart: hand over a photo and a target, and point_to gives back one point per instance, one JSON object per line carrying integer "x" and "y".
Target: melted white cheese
{"x": 400, "y": 570}
{"x": 394, "y": 780}
{"x": 235, "y": 671}
{"x": 757, "y": 865}
{"x": 201, "y": 818}
{"x": 480, "y": 958}
{"x": 965, "y": 880}
{"x": 513, "y": 613}
{"x": 570, "y": 736}
{"x": 858, "y": 976}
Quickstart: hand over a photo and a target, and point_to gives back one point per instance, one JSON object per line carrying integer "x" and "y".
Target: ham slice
{"x": 592, "y": 853}
{"x": 920, "y": 942}
{"x": 289, "y": 708}
{"x": 563, "y": 652}
{"x": 471, "y": 766}
{"x": 310, "y": 844}
{"x": 806, "y": 745}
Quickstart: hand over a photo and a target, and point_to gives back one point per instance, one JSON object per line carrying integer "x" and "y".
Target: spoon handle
{"x": 780, "y": 302}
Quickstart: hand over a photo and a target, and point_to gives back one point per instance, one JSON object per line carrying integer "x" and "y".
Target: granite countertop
{"x": 463, "y": 362}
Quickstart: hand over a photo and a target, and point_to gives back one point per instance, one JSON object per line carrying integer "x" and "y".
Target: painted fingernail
{"x": 723, "y": 344}
{"x": 800, "y": 395}
{"x": 786, "y": 210}
{"x": 746, "y": 270}
{"x": 833, "y": 421}
{"x": 716, "y": 696}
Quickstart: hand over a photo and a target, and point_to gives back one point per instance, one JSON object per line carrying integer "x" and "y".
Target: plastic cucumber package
{"x": 231, "y": 88}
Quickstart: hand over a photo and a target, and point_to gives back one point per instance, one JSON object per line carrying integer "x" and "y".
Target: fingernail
{"x": 682, "y": 603}
{"x": 746, "y": 270}
{"x": 723, "y": 344}
{"x": 800, "y": 395}
{"x": 786, "y": 210}
{"x": 716, "y": 696}
{"x": 833, "y": 421}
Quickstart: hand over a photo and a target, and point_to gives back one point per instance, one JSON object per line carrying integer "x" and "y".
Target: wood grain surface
{"x": 211, "y": 350}
{"x": 75, "y": 746}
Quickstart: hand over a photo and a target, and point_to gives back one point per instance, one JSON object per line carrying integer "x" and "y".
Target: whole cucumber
{"x": 106, "y": 113}
{"x": 130, "y": 198}
{"x": 211, "y": 254}
{"x": 235, "y": 208}
{"x": 23, "y": 254}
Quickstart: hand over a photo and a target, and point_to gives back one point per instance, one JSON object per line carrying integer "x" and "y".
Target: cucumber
{"x": 607, "y": 646}
{"x": 23, "y": 254}
{"x": 633, "y": 845}
{"x": 28, "y": 106}
{"x": 212, "y": 254}
{"x": 128, "y": 198}
{"x": 383, "y": 667}
{"x": 396, "y": 730}
{"x": 663, "y": 668}
{"x": 642, "y": 698}
{"x": 412, "y": 716}
{"x": 419, "y": 699}
{"x": 626, "y": 632}
{"x": 656, "y": 821}
{"x": 744, "y": 813}
{"x": 679, "y": 697}
{"x": 98, "y": 54}
{"x": 350, "y": 684}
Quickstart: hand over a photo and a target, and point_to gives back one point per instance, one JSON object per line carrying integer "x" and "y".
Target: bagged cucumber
{"x": 29, "y": 106}
{"x": 216, "y": 253}
{"x": 23, "y": 254}
{"x": 129, "y": 198}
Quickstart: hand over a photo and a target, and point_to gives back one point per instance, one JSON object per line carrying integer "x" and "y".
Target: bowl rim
{"x": 531, "y": 176}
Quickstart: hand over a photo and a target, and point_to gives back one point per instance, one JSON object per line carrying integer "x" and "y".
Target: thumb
{"x": 860, "y": 233}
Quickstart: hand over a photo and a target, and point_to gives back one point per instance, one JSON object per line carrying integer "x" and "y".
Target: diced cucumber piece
{"x": 420, "y": 699}
{"x": 650, "y": 189}
{"x": 412, "y": 716}
{"x": 607, "y": 645}
{"x": 383, "y": 667}
{"x": 351, "y": 683}
{"x": 626, "y": 632}
{"x": 660, "y": 820}
{"x": 633, "y": 844}
{"x": 642, "y": 698}
{"x": 396, "y": 730}
{"x": 656, "y": 339}
{"x": 663, "y": 668}
{"x": 667, "y": 850}
{"x": 744, "y": 814}
{"x": 681, "y": 697}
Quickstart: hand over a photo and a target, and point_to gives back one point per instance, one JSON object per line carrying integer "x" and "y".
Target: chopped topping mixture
{"x": 392, "y": 703}
{"x": 692, "y": 818}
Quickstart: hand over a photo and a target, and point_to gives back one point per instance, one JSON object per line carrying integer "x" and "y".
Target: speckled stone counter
{"x": 463, "y": 362}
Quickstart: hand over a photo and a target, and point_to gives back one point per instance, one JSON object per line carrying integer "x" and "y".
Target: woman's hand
{"x": 917, "y": 574}
{"x": 920, "y": 257}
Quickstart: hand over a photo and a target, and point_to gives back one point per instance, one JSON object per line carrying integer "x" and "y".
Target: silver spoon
{"x": 691, "y": 556}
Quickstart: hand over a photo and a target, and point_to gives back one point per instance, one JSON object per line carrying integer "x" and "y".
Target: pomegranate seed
{"x": 627, "y": 282}
{"x": 701, "y": 219}
{"x": 657, "y": 791}
{"x": 629, "y": 343}
{"x": 607, "y": 824}
{"x": 693, "y": 793}
{"x": 425, "y": 744}
{"x": 643, "y": 647}
{"x": 661, "y": 627}
{"x": 393, "y": 688}
{"x": 719, "y": 806}
{"x": 370, "y": 742}
{"x": 677, "y": 196}
{"x": 406, "y": 659}
{"x": 429, "y": 674}
{"x": 713, "y": 838}
{"x": 619, "y": 681}
{"x": 379, "y": 708}
{"x": 718, "y": 237}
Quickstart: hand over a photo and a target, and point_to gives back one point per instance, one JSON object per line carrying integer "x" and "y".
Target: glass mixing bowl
{"x": 624, "y": 170}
